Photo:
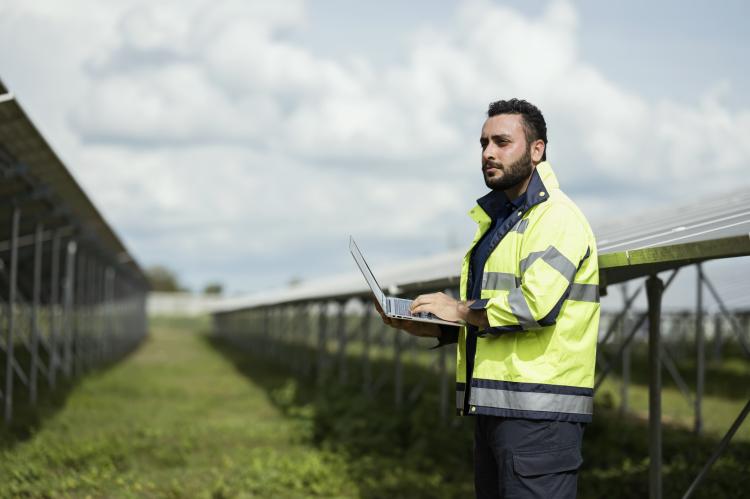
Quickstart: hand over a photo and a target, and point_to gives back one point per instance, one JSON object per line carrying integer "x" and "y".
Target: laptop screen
{"x": 362, "y": 264}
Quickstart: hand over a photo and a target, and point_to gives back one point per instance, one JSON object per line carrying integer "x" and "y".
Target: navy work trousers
{"x": 523, "y": 458}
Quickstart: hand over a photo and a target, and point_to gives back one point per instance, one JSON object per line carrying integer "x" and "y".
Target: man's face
{"x": 506, "y": 157}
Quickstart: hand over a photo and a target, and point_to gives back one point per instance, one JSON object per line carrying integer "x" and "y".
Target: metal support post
{"x": 276, "y": 330}
{"x": 79, "y": 313}
{"x": 398, "y": 382}
{"x": 322, "y": 340}
{"x": 110, "y": 312}
{"x": 8, "y": 395}
{"x": 444, "y": 383}
{"x": 625, "y": 378}
{"x": 36, "y": 291}
{"x": 718, "y": 339}
{"x": 366, "y": 365}
{"x": 281, "y": 334}
{"x": 305, "y": 339}
{"x": 700, "y": 353}
{"x": 54, "y": 355}
{"x": 99, "y": 300}
{"x": 91, "y": 315}
{"x": 265, "y": 339}
{"x": 342, "y": 342}
{"x": 70, "y": 274}
{"x": 281, "y": 329}
{"x": 654, "y": 289}
{"x": 293, "y": 331}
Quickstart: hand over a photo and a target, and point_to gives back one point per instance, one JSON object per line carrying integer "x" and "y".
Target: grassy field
{"x": 727, "y": 390}
{"x": 188, "y": 416}
{"x": 173, "y": 420}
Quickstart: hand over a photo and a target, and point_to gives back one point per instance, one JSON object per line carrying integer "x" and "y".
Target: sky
{"x": 243, "y": 141}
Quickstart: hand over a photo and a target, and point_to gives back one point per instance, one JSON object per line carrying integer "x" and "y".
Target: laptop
{"x": 397, "y": 308}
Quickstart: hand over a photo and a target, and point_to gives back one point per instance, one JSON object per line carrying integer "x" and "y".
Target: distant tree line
{"x": 165, "y": 280}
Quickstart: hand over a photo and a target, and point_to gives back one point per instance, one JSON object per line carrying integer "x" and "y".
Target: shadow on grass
{"x": 408, "y": 453}
{"x": 28, "y": 418}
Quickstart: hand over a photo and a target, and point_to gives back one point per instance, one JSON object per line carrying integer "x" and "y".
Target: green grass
{"x": 190, "y": 416}
{"x": 173, "y": 420}
{"x": 718, "y": 412}
{"x": 727, "y": 390}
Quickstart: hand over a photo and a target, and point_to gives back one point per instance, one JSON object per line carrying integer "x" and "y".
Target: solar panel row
{"x": 717, "y": 227}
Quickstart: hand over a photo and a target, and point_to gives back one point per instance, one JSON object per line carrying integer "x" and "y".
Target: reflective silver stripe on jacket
{"x": 520, "y": 227}
{"x": 584, "y": 292}
{"x": 520, "y": 309}
{"x": 500, "y": 281}
{"x": 554, "y": 259}
{"x": 532, "y": 401}
{"x": 460, "y": 394}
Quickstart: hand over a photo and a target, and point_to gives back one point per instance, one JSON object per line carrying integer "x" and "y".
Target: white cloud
{"x": 209, "y": 137}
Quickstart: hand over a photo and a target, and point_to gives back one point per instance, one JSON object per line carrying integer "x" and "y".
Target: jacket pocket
{"x": 528, "y": 464}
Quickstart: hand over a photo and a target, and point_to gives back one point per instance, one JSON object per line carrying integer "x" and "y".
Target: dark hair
{"x": 534, "y": 125}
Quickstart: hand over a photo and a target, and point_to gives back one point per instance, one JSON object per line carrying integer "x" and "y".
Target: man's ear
{"x": 537, "y": 151}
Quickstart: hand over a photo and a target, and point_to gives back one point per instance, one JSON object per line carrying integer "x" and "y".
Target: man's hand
{"x": 414, "y": 328}
{"x": 449, "y": 309}
{"x": 440, "y": 304}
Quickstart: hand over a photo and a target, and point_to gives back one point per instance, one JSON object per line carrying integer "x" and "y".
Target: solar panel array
{"x": 35, "y": 180}
{"x": 717, "y": 227}
{"x": 716, "y": 217}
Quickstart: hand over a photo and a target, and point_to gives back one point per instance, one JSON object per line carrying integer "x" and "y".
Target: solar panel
{"x": 33, "y": 175}
{"x": 713, "y": 218}
{"x": 717, "y": 227}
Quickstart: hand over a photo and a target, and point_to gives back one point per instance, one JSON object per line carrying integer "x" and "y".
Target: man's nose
{"x": 488, "y": 153}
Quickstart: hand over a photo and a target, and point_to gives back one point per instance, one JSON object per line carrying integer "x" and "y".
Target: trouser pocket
{"x": 546, "y": 474}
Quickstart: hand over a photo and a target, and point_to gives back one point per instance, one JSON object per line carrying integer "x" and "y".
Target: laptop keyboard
{"x": 401, "y": 307}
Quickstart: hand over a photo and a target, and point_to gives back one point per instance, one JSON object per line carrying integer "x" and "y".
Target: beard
{"x": 512, "y": 174}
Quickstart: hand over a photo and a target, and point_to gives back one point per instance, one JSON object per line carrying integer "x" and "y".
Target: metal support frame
{"x": 367, "y": 320}
{"x": 629, "y": 337}
{"x": 719, "y": 451}
{"x": 625, "y": 361}
{"x": 34, "y": 369}
{"x": 54, "y": 332}
{"x": 68, "y": 314}
{"x": 9, "y": 339}
{"x": 700, "y": 353}
{"x": 398, "y": 370}
{"x": 322, "y": 342}
{"x": 332, "y": 345}
{"x": 654, "y": 291}
{"x": 718, "y": 337}
{"x": 342, "y": 341}
{"x": 730, "y": 318}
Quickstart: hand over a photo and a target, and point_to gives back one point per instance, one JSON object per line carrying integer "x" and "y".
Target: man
{"x": 530, "y": 298}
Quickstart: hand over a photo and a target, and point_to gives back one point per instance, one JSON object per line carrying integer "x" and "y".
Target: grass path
{"x": 175, "y": 419}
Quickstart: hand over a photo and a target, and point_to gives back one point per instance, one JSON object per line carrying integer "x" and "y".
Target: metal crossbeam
{"x": 730, "y": 318}
{"x": 669, "y": 363}
{"x": 626, "y": 341}
{"x": 719, "y": 451}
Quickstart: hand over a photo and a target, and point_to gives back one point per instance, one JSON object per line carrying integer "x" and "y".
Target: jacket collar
{"x": 543, "y": 180}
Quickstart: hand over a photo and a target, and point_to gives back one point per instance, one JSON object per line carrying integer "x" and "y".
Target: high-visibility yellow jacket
{"x": 540, "y": 289}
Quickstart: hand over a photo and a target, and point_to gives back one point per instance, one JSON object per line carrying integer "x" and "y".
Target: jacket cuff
{"x": 448, "y": 336}
{"x": 478, "y": 305}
